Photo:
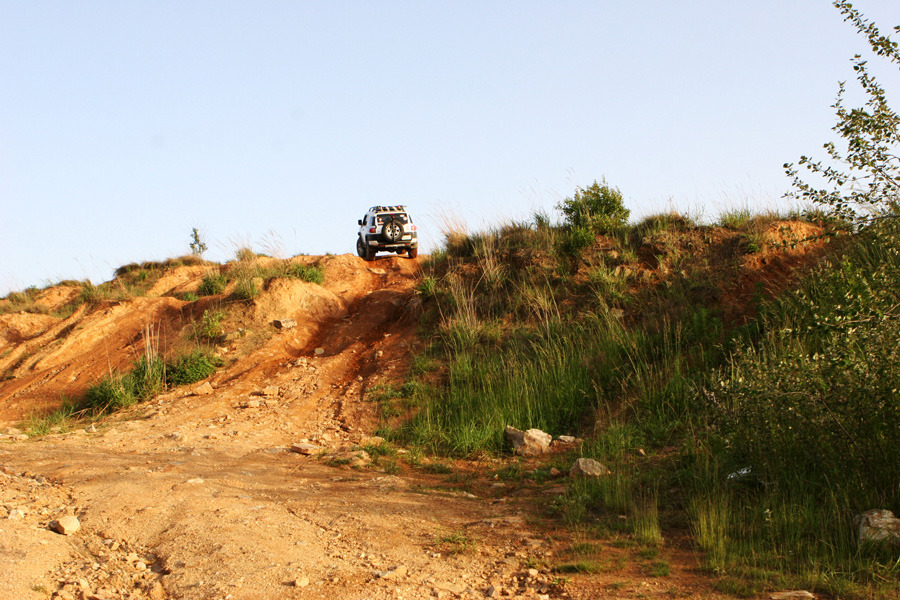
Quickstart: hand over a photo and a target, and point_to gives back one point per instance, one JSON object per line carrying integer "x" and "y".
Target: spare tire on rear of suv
{"x": 392, "y": 231}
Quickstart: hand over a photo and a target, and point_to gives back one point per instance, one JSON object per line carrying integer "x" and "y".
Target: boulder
{"x": 528, "y": 443}
{"x": 587, "y": 467}
{"x": 878, "y": 525}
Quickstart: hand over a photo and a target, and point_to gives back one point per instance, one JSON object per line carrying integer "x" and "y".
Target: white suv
{"x": 387, "y": 229}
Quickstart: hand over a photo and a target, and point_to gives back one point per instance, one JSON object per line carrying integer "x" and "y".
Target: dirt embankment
{"x": 201, "y": 497}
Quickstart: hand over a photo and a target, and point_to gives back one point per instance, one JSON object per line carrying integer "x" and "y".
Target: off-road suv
{"x": 387, "y": 229}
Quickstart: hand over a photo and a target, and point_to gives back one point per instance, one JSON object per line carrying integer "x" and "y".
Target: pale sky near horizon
{"x": 276, "y": 123}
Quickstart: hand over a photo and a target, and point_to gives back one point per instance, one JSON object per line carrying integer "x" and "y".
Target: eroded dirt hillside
{"x": 197, "y": 495}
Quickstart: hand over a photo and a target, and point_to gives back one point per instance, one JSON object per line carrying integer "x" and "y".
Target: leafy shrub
{"x": 574, "y": 240}
{"x": 599, "y": 207}
{"x": 428, "y": 287}
{"x": 833, "y": 414}
{"x": 210, "y": 325}
{"x": 212, "y": 284}
{"x": 192, "y": 367}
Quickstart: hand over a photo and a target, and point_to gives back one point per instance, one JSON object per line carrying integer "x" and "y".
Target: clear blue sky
{"x": 275, "y": 124}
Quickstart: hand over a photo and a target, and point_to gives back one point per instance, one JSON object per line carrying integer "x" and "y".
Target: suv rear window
{"x": 402, "y": 217}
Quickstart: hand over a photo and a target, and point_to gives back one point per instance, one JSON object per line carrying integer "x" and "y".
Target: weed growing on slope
{"x": 192, "y": 367}
{"x": 212, "y": 284}
{"x": 209, "y": 327}
{"x": 21, "y": 302}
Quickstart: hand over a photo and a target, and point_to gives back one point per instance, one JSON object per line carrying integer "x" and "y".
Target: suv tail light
{"x": 371, "y": 230}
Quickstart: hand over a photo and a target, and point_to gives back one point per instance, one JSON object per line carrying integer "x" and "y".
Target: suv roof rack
{"x": 388, "y": 208}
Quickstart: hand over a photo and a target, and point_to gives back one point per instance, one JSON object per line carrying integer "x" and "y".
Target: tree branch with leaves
{"x": 862, "y": 180}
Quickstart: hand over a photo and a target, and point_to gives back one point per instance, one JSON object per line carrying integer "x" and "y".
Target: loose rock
{"x": 66, "y": 525}
{"x": 284, "y": 323}
{"x": 307, "y": 449}
{"x": 204, "y": 389}
{"x": 587, "y": 467}
{"x": 528, "y": 443}
{"x": 393, "y": 573}
{"x": 878, "y": 525}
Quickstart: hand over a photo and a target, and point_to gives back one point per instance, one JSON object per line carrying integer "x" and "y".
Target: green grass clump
{"x": 116, "y": 391}
{"x": 582, "y": 566}
{"x": 148, "y": 377}
{"x": 21, "y": 302}
{"x": 292, "y": 270}
{"x": 212, "y": 284}
{"x": 311, "y": 274}
{"x": 194, "y": 366}
{"x": 37, "y": 423}
{"x": 245, "y": 289}
{"x": 737, "y": 219}
{"x": 457, "y": 542}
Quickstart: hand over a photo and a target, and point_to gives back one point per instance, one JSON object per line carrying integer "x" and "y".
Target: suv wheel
{"x": 363, "y": 250}
{"x": 413, "y": 252}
